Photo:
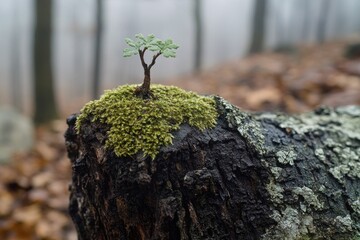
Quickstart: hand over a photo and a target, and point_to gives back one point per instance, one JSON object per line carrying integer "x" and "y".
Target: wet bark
{"x": 253, "y": 176}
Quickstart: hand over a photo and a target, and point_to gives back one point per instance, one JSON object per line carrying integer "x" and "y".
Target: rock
{"x": 16, "y": 133}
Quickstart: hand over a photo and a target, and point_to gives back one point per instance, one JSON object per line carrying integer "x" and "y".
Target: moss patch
{"x": 138, "y": 125}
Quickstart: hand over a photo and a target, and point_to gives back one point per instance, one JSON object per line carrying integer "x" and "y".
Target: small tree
{"x": 140, "y": 46}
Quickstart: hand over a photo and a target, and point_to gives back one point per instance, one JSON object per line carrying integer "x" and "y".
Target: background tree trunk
{"x": 262, "y": 176}
{"x": 15, "y": 62}
{"x": 45, "y": 108}
{"x": 97, "y": 49}
{"x": 198, "y": 34}
{"x": 323, "y": 18}
{"x": 305, "y": 15}
{"x": 258, "y": 27}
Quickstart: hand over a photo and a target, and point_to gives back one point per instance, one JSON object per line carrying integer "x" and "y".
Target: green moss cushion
{"x": 138, "y": 125}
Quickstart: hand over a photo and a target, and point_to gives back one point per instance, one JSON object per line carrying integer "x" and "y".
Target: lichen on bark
{"x": 314, "y": 166}
{"x": 332, "y": 137}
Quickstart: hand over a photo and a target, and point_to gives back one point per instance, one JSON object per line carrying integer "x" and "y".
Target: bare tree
{"x": 258, "y": 27}
{"x": 15, "y": 60}
{"x": 305, "y": 8}
{"x": 97, "y": 48}
{"x": 323, "y": 17}
{"x": 45, "y": 107}
{"x": 198, "y": 34}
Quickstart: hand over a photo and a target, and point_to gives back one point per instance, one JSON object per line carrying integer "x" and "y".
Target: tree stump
{"x": 253, "y": 176}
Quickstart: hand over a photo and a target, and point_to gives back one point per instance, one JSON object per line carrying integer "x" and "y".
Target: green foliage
{"x": 139, "y": 125}
{"x": 166, "y": 48}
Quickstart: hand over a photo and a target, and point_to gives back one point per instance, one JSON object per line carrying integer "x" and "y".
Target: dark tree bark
{"x": 97, "y": 48}
{"x": 258, "y": 27}
{"x": 251, "y": 177}
{"x": 45, "y": 107}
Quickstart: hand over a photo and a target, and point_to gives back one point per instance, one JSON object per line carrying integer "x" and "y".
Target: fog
{"x": 226, "y": 35}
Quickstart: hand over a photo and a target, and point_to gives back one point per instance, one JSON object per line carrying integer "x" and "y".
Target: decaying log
{"x": 253, "y": 176}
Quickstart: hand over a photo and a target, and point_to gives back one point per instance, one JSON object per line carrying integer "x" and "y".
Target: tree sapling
{"x": 140, "y": 46}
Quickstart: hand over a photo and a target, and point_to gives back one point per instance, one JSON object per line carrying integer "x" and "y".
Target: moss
{"x": 143, "y": 126}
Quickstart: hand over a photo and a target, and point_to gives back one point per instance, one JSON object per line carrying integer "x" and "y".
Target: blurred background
{"x": 56, "y": 55}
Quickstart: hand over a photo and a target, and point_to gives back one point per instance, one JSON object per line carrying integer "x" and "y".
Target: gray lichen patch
{"x": 245, "y": 124}
{"x": 355, "y": 205}
{"x": 276, "y": 192}
{"x": 319, "y": 152}
{"x": 292, "y": 225}
{"x": 326, "y": 120}
{"x": 276, "y": 172}
{"x": 349, "y": 163}
{"x": 343, "y": 224}
{"x": 309, "y": 196}
{"x": 350, "y": 169}
{"x": 286, "y": 157}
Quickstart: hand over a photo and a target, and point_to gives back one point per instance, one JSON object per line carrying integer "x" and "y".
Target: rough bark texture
{"x": 253, "y": 176}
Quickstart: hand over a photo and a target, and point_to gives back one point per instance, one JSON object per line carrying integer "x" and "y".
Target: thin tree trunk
{"x": 323, "y": 18}
{"x": 78, "y": 90}
{"x": 144, "y": 90}
{"x": 15, "y": 63}
{"x": 198, "y": 34}
{"x": 45, "y": 107}
{"x": 97, "y": 48}
{"x": 305, "y": 20}
{"x": 258, "y": 28}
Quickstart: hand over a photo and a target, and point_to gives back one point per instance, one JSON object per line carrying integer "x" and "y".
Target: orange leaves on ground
{"x": 34, "y": 190}
{"x": 301, "y": 80}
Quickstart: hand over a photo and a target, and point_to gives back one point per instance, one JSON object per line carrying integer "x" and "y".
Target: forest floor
{"x": 292, "y": 81}
{"x": 34, "y": 186}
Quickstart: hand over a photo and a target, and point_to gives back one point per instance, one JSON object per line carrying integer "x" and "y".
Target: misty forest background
{"x": 56, "y": 55}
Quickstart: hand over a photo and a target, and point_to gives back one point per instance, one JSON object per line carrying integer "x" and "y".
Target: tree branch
{"x": 154, "y": 59}
{"x": 141, "y": 53}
